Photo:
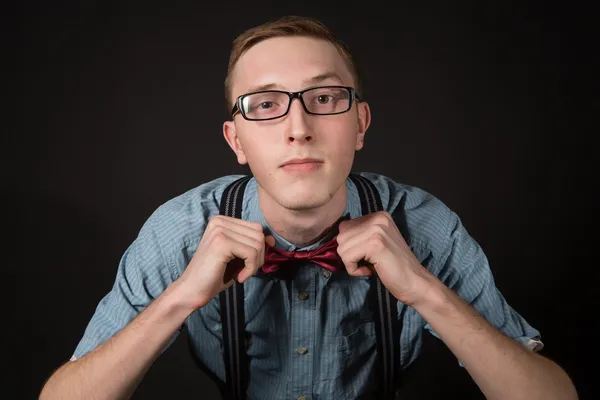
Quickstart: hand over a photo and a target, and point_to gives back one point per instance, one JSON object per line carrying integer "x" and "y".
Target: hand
{"x": 230, "y": 249}
{"x": 375, "y": 238}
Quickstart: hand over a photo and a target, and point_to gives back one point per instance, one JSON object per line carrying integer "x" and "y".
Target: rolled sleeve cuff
{"x": 533, "y": 344}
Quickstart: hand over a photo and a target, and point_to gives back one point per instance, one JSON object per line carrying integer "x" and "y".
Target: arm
{"x": 501, "y": 367}
{"x": 460, "y": 302}
{"x": 117, "y": 363}
{"x": 468, "y": 313}
{"x": 114, "y": 369}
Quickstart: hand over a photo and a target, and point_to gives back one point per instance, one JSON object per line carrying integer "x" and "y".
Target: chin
{"x": 306, "y": 197}
{"x": 303, "y": 192}
{"x": 303, "y": 203}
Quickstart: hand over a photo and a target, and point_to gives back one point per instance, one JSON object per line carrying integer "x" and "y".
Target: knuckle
{"x": 383, "y": 218}
{"x": 218, "y": 230}
{"x": 216, "y": 218}
{"x": 215, "y": 221}
{"x": 256, "y": 226}
{"x": 258, "y": 235}
{"x": 219, "y": 239}
{"x": 254, "y": 253}
{"x": 377, "y": 230}
{"x": 376, "y": 242}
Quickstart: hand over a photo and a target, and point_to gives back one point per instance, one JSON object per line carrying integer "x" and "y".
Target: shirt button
{"x": 302, "y": 350}
{"x": 303, "y": 295}
{"x": 326, "y": 274}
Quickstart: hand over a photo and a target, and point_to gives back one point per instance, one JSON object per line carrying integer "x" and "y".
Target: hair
{"x": 282, "y": 27}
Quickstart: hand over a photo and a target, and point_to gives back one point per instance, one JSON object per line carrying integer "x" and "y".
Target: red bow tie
{"x": 326, "y": 256}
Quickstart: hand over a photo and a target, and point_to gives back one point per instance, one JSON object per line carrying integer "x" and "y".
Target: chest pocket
{"x": 357, "y": 353}
{"x": 357, "y": 344}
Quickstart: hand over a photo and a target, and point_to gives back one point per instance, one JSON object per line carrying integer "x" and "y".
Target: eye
{"x": 265, "y": 105}
{"x": 323, "y": 99}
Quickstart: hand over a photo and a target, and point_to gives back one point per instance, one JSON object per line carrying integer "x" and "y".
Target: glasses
{"x": 270, "y": 104}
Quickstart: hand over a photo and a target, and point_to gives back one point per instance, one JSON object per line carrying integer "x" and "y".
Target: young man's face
{"x": 294, "y": 64}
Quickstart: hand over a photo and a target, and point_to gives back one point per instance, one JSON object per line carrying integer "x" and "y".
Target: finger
{"x": 232, "y": 271}
{"x": 348, "y": 224}
{"x": 355, "y": 253}
{"x": 252, "y": 263}
{"x": 353, "y": 239}
{"x": 365, "y": 238}
{"x": 256, "y": 226}
{"x": 270, "y": 240}
{"x": 242, "y": 258}
{"x": 363, "y": 270}
{"x": 241, "y": 229}
{"x": 350, "y": 261}
{"x": 248, "y": 241}
{"x": 253, "y": 241}
{"x": 359, "y": 268}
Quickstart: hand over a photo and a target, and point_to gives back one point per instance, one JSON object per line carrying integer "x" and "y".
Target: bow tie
{"x": 326, "y": 256}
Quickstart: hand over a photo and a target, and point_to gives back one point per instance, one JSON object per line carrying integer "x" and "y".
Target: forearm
{"x": 500, "y": 366}
{"x": 114, "y": 369}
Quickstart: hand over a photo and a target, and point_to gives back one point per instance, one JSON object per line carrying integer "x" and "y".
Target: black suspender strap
{"x": 231, "y": 304}
{"x": 384, "y": 305}
{"x": 231, "y": 300}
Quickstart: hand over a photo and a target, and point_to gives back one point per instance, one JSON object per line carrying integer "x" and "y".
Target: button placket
{"x": 303, "y": 295}
{"x": 303, "y": 316}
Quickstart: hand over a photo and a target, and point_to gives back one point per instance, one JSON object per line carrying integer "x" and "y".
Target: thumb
{"x": 270, "y": 240}
{"x": 347, "y": 224}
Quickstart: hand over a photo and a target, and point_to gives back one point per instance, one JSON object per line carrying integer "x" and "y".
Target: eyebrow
{"x": 323, "y": 77}
{"x": 330, "y": 75}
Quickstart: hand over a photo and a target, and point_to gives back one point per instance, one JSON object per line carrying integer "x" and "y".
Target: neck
{"x": 302, "y": 227}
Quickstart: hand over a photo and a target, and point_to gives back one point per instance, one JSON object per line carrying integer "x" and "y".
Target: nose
{"x": 298, "y": 127}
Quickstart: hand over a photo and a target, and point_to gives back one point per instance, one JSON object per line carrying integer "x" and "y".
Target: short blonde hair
{"x": 285, "y": 26}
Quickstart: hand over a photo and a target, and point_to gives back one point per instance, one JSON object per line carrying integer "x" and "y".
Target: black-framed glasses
{"x": 270, "y": 104}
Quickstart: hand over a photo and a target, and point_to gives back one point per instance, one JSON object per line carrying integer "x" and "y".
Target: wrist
{"x": 438, "y": 300}
{"x": 178, "y": 299}
{"x": 430, "y": 292}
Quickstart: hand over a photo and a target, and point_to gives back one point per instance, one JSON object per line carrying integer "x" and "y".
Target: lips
{"x": 296, "y": 161}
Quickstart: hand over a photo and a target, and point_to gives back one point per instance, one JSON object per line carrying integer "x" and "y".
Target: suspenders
{"x": 382, "y": 303}
{"x": 231, "y": 304}
{"x": 384, "y": 306}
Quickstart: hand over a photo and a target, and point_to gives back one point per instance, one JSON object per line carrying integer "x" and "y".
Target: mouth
{"x": 296, "y": 161}
{"x": 301, "y": 165}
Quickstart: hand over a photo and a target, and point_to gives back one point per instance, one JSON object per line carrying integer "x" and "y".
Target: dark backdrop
{"x": 121, "y": 107}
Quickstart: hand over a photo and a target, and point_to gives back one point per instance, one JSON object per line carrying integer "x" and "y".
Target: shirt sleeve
{"x": 465, "y": 269}
{"x": 143, "y": 273}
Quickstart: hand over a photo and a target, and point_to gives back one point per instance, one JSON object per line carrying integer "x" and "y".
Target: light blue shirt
{"x": 324, "y": 315}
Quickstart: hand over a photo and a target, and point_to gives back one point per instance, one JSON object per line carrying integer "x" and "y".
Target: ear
{"x": 230, "y": 133}
{"x": 364, "y": 120}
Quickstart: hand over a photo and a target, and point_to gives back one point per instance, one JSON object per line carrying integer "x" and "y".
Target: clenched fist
{"x": 375, "y": 238}
{"x": 230, "y": 249}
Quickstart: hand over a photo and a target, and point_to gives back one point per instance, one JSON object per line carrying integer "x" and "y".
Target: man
{"x": 297, "y": 120}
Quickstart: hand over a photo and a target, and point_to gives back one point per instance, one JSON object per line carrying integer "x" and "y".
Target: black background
{"x": 120, "y": 107}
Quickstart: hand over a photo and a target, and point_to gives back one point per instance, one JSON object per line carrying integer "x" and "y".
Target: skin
{"x": 301, "y": 207}
{"x": 298, "y": 206}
